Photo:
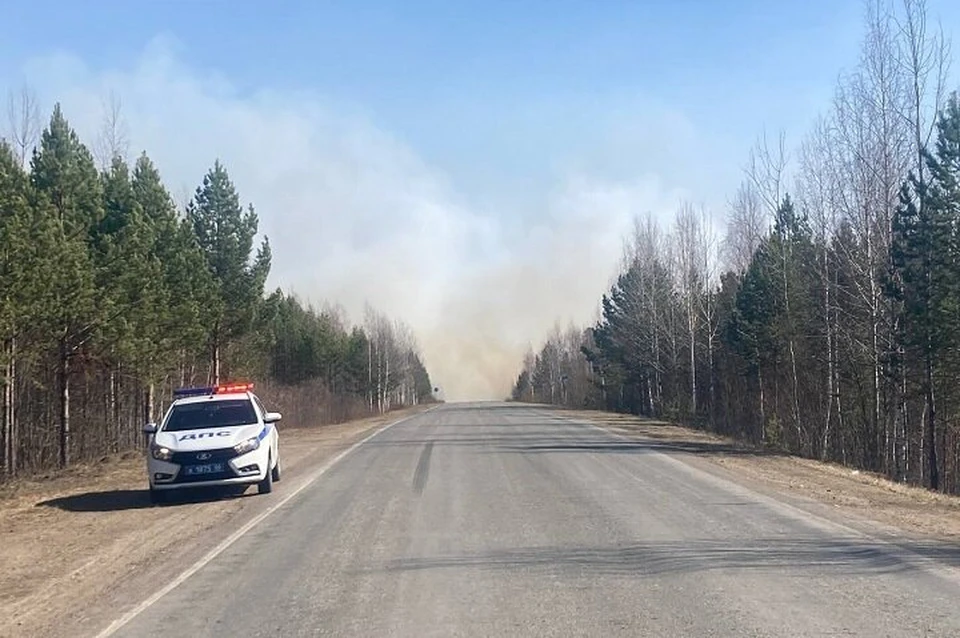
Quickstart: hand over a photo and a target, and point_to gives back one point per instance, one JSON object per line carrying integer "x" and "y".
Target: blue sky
{"x": 496, "y": 90}
{"x": 469, "y": 167}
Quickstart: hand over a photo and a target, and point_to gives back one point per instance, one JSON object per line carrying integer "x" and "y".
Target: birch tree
{"x": 690, "y": 252}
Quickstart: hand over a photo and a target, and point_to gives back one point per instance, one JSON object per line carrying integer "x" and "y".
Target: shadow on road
{"x": 640, "y": 447}
{"x": 811, "y": 557}
{"x": 521, "y": 440}
{"x": 122, "y": 500}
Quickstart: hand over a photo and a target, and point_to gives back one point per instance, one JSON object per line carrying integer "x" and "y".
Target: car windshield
{"x": 211, "y": 414}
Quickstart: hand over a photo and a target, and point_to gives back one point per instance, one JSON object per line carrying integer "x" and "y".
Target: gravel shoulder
{"x": 78, "y": 547}
{"x": 860, "y": 499}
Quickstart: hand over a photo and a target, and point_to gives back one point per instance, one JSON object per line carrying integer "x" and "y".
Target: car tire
{"x": 158, "y": 497}
{"x": 266, "y": 485}
{"x": 275, "y": 472}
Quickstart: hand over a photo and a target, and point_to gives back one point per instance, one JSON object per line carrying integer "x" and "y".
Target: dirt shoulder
{"x": 78, "y": 548}
{"x": 857, "y": 498}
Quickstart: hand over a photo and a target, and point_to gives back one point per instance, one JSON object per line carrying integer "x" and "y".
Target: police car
{"x": 216, "y": 435}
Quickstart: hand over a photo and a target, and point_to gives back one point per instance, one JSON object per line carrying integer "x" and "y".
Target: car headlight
{"x": 247, "y": 446}
{"x": 160, "y": 452}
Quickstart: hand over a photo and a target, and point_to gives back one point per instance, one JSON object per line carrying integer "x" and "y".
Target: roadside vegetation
{"x": 826, "y": 323}
{"x": 111, "y": 295}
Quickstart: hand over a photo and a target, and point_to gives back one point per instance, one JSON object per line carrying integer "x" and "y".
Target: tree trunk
{"x": 902, "y": 462}
{"x": 930, "y": 432}
{"x": 148, "y": 403}
{"x": 763, "y": 412}
{"x": 693, "y": 370}
{"x": 386, "y": 383}
{"x": 216, "y": 360}
{"x": 711, "y": 395}
{"x": 117, "y": 407}
{"x": 651, "y": 410}
{"x": 12, "y": 410}
{"x": 796, "y": 399}
{"x": 112, "y": 440}
{"x": 148, "y": 408}
{"x": 875, "y": 344}
{"x": 63, "y": 386}
{"x": 9, "y": 409}
{"x": 825, "y": 438}
{"x": 370, "y": 374}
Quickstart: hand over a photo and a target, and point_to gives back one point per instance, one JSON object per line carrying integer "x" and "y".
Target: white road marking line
{"x": 237, "y": 535}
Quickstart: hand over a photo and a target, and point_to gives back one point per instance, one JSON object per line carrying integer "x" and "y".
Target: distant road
{"x": 505, "y": 520}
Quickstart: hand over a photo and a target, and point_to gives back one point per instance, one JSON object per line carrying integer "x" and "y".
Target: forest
{"x": 823, "y": 320}
{"x": 112, "y": 295}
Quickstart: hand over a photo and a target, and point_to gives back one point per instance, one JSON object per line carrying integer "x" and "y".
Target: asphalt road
{"x": 501, "y": 520}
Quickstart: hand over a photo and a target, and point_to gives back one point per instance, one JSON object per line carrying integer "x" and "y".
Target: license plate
{"x": 209, "y": 468}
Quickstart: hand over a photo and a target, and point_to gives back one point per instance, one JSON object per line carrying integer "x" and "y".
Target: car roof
{"x": 203, "y": 398}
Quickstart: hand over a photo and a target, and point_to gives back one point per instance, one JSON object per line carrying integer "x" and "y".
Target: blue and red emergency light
{"x": 229, "y": 388}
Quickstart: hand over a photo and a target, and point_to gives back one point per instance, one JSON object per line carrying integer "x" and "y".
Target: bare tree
{"x": 872, "y": 145}
{"x": 688, "y": 237}
{"x": 766, "y": 170}
{"x": 747, "y": 223}
{"x": 924, "y": 61}
{"x": 404, "y": 346}
{"x": 709, "y": 265}
{"x": 113, "y": 139}
{"x": 817, "y": 186}
{"x": 23, "y": 118}
{"x": 654, "y": 328}
{"x": 390, "y": 347}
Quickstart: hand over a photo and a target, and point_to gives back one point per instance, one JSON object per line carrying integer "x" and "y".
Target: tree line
{"x": 111, "y": 296}
{"x": 826, "y": 322}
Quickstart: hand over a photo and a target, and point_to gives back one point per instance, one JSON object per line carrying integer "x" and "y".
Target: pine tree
{"x": 24, "y": 255}
{"x": 63, "y": 169}
{"x": 129, "y": 288}
{"x": 225, "y": 233}
{"x": 184, "y": 290}
{"x": 927, "y": 271}
{"x": 68, "y": 186}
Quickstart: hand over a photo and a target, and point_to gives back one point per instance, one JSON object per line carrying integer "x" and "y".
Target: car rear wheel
{"x": 266, "y": 485}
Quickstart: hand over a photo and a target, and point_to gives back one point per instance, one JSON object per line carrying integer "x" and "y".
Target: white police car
{"x": 218, "y": 435}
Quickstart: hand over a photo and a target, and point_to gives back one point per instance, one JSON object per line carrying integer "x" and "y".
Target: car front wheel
{"x": 275, "y": 472}
{"x": 266, "y": 485}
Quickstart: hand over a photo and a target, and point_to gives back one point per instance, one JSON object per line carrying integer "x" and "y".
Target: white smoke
{"x": 355, "y": 216}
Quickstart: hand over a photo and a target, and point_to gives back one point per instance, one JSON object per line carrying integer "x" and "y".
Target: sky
{"x": 469, "y": 168}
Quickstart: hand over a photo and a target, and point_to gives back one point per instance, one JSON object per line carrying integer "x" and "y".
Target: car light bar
{"x": 229, "y": 388}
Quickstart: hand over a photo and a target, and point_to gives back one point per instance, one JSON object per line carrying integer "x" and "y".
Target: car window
{"x": 210, "y": 414}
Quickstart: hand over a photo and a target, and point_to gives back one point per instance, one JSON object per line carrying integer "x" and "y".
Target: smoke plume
{"x": 355, "y": 216}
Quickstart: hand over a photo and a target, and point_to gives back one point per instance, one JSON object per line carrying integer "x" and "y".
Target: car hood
{"x": 208, "y": 438}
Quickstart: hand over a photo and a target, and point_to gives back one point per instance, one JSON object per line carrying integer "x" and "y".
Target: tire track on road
{"x": 422, "y": 473}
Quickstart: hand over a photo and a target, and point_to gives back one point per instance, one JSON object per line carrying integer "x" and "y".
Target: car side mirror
{"x": 272, "y": 417}
{"x": 150, "y": 428}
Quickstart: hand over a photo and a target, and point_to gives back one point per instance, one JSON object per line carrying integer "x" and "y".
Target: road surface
{"x": 505, "y": 520}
